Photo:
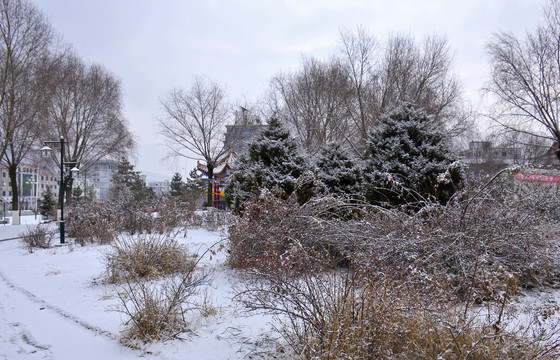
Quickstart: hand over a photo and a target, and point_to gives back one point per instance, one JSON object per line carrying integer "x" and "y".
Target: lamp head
{"x": 46, "y": 151}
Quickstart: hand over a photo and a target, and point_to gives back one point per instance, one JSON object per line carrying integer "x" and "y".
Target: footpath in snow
{"x": 53, "y": 305}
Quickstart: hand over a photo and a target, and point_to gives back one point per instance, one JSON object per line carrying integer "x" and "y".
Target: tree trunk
{"x": 210, "y": 197}
{"x": 12, "y": 173}
{"x": 68, "y": 184}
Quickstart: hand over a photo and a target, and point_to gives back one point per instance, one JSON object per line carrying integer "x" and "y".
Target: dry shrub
{"x": 102, "y": 222}
{"x": 212, "y": 219}
{"x": 156, "y": 278}
{"x": 413, "y": 282}
{"x": 342, "y": 315}
{"x": 37, "y": 237}
{"x": 157, "y": 310}
{"x": 91, "y": 226}
{"x": 469, "y": 247}
{"x": 146, "y": 256}
{"x": 161, "y": 215}
{"x": 275, "y": 233}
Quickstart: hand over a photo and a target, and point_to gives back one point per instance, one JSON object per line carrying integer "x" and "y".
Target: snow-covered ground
{"x": 53, "y": 306}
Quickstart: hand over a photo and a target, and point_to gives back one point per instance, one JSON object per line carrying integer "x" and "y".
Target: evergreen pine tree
{"x": 272, "y": 161}
{"x": 340, "y": 174}
{"x": 77, "y": 193}
{"x": 177, "y": 186}
{"x": 128, "y": 184}
{"x": 407, "y": 153}
{"x": 194, "y": 188}
{"x": 48, "y": 203}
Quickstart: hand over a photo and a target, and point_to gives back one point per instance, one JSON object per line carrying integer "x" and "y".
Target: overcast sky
{"x": 155, "y": 45}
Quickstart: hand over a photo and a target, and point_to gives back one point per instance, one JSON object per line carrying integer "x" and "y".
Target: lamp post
{"x": 46, "y": 152}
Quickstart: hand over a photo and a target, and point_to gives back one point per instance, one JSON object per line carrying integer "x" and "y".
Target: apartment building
{"x": 32, "y": 185}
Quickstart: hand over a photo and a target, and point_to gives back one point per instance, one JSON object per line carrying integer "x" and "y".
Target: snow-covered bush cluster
{"x": 352, "y": 279}
{"x": 104, "y": 221}
{"x": 408, "y": 162}
{"x": 466, "y": 247}
{"x": 282, "y": 234}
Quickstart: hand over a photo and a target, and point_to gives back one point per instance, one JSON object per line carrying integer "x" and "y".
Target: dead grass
{"x": 342, "y": 315}
{"x": 38, "y": 237}
{"x": 146, "y": 256}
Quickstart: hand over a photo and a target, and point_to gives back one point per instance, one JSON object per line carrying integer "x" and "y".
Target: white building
{"x": 160, "y": 187}
{"x": 98, "y": 178}
{"x": 32, "y": 185}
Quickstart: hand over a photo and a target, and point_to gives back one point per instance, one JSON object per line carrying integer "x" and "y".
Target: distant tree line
{"x": 336, "y": 101}
{"x": 344, "y": 98}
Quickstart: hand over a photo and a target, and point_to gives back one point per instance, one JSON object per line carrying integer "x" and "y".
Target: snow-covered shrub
{"x": 346, "y": 315}
{"x": 146, "y": 256}
{"x": 102, "y": 222}
{"x": 275, "y": 233}
{"x": 157, "y": 310}
{"x": 413, "y": 284}
{"x": 408, "y": 153}
{"x": 37, "y": 237}
{"x": 91, "y": 224}
{"x": 210, "y": 219}
{"x": 474, "y": 247}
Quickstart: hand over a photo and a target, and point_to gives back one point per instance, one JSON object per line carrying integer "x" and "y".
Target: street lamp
{"x": 46, "y": 151}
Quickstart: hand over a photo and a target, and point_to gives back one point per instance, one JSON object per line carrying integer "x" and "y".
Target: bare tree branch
{"x": 194, "y": 124}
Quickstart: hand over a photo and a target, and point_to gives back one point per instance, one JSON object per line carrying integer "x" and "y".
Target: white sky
{"x": 155, "y": 45}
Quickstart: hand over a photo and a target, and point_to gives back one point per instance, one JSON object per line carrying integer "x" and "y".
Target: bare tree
{"x": 194, "y": 124}
{"x": 313, "y": 102}
{"x": 420, "y": 74}
{"x": 360, "y": 60}
{"x": 343, "y": 99}
{"x": 402, "y": 70}
{"x": 24, "y": 44}
{"x": 525, "y": 78}
{"x": 85, "y": 108}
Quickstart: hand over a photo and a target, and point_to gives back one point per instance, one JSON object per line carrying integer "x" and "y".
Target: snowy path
{"x": 53, "y": 306}
{"x": 31, "y": 328}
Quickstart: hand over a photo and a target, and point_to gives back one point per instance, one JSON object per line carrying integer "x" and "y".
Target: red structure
{"x": 221, "y": 172}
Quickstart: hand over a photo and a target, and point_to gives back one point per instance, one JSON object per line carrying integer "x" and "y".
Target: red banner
{"x": 216, "y": 192}
{"x": 538, "y": 177}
